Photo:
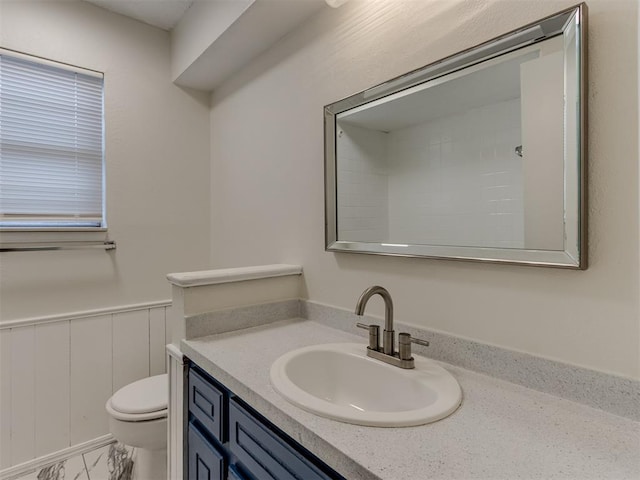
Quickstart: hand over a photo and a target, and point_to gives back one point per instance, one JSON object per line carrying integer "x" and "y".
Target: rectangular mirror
{"x": 480, "y": 156}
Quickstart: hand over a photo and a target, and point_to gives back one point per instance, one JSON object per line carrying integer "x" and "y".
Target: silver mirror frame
{"x": 551, "y": 26}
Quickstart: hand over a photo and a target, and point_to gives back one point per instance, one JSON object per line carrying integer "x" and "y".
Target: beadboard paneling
{"x": 5, "y": 398}
{"x": 130, "y": 347}
{"x": 91, "y": 377}
{"x": 157, "y": 341}
{"x": 57, "y": 373}
{"x": 23, "y": 431}
{"x": 52, "y": 387}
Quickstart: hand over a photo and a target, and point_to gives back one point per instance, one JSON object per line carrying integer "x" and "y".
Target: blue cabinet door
{"x": 223, "y": 430}
{"x": 262, "y": 452}
{"x": 207, "y": 404}
{"x": 205, "y": 461}
{"x": 235, "y": 474}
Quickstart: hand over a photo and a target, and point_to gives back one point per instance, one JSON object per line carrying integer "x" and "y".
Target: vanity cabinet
{"x": 206, "y": 460}
{"x": 228, "y": 440}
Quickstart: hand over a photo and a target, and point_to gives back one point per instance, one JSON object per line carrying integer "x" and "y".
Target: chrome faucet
{"x": 388, "y": 333}
{"x": 387, "y": 353}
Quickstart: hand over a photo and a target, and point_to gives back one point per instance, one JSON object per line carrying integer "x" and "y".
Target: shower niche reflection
{"x": 477, "y": 157}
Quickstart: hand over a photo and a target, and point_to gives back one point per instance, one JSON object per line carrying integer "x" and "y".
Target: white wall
{"x": 157, "y": 165}
{"x": 267, "y": 179}
{"x": 56, "y": 376}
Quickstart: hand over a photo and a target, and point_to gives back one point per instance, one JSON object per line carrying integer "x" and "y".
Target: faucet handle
{"x": 419, "y": 341}
{"x": 404, "y": 345}
{"x": 374, "y": 335}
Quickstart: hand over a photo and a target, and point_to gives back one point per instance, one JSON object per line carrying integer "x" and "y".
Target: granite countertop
{"x": 501, "y": 431}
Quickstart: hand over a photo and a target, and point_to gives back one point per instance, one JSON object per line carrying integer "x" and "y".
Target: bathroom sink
{"x": 341, "y": 382}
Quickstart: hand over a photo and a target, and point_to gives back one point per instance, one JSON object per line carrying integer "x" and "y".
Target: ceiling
{"x": 163, "y": 14}
{"x": 256, "y": 27}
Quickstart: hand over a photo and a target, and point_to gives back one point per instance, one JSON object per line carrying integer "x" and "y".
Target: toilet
{"x": 138, "y": 418}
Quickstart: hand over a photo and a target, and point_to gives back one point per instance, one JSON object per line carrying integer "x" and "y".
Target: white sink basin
{"x": 341, "y": 382}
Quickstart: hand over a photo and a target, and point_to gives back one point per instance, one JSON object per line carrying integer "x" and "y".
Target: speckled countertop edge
{"x": 501, "y": 431}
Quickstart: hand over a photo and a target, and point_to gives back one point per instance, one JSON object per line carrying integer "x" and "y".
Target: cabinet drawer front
{"x": 205, "y": 462}
{"x": 263, "y": 453}
{"x": 207, "y": 404}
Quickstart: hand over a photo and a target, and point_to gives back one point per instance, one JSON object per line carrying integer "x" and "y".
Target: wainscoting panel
{"x": 5, "y": 398}
{"x": 23, "y": 394}
{"x": 52, "y": 387}
{"x": 157, "y": 341}
{"x": 57, "y": 373}
{"x": 91, "y": 377}
{"x": 130, "y": 347}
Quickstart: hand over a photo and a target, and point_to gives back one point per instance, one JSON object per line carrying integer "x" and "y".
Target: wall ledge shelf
{"x": 229, "y": 275}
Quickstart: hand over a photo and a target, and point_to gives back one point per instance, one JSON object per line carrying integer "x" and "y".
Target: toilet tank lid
{"x": 142, "y": 396}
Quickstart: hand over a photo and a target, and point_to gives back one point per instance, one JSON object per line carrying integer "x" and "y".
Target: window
{"x": 51, "y": 145}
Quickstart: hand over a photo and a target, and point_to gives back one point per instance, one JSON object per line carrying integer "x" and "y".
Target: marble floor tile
{"x": 71, "y": 469}
{"x": 111, "y": 462}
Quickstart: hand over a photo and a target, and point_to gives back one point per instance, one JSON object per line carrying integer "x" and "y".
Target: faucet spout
{"x": 388, "y": 335}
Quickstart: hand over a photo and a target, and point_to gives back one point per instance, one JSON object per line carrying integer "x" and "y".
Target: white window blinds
{"x": 51, "y": 145}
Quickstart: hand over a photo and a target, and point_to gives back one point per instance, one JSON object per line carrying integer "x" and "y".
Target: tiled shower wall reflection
{"x": 455, "y": 180}
{"x": 362, "y": 184}
{"x": 55, "y": 377}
